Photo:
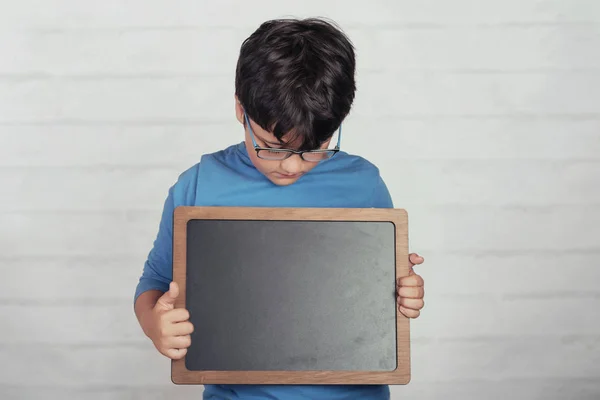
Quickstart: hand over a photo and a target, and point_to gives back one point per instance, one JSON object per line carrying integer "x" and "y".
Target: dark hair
{"x": 296, "y": 76}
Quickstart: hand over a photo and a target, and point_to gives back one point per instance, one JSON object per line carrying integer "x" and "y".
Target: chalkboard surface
{"x": 293, "y": 293}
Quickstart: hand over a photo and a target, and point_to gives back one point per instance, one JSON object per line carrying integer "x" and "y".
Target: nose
{"x": 292, "y": 165}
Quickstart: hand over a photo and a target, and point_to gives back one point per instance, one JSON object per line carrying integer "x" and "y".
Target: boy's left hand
{"x": 410, "y": 290}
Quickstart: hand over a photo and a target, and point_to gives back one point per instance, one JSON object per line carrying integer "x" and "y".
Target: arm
{"x": 410, "y": 289}
{"x": 155, "y": 294}
{"x": 144, "y": 306}
{"x": 158, "y": 268}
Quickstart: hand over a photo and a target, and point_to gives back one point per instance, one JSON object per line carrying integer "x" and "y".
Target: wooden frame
{"x": 401, "y": 375}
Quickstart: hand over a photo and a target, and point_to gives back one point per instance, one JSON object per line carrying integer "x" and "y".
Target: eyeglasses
{"x": 281, "y": 154}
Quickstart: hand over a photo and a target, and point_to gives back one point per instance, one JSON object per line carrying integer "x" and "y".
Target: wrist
{"x": 148, "y": 323}
{"x": 145, "y": 312}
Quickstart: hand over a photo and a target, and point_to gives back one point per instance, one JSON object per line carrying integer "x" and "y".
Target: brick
{"x": 203, "y": 98}
{"x": 508, "y": 137}
{"x": 134, "y": 52}
{"x": 460, "y": 229}
{"x": 583, "y": 389}
{"x": 86, "y": 189}
{"x": 505, "y": 275}
{"x": 78, "y": 233}
{"x": 484, "y": 139}
{"x": 493, "y": 390}
{"x": 76, "y": 323}
{"x": 113, "y": 13}
{"x": 432, "y": 183}
{"x": 518, "y": 388}
{"x": 83, "y": 322}
{"x": 478, "y": 49}
{"x": 103, "y": 392}
{"x": 422, "y": 93}
{"x": 108, "y": 145}
{"x": 462, "y": 277}
{"x": 67, "y": 280}
{"x": 519, "y": 358}
{"x": 415, "y": 183}
{"x": 117, "y": 99}
{"x": 497, "y": 359}
{"x": 184, "y": 51}
{"x": 81, "y": 366}
{"x": 480, "y": 317}
{"x": 452, "y": 229}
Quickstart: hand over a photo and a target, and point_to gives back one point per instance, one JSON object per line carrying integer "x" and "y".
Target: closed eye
{"x": 271, "y": 147}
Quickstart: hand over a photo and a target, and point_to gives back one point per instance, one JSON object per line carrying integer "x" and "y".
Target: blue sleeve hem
{"x": 146, "y": 284}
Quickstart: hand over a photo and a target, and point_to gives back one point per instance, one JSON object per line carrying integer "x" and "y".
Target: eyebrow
{"x": 263, "y": 140}
{"x": 267, "y": 141}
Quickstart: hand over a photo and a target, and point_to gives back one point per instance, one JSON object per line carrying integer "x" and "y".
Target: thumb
{"x": 166, "y": 302}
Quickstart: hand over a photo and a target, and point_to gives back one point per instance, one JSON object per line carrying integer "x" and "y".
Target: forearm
{"x": 143, "y": 308}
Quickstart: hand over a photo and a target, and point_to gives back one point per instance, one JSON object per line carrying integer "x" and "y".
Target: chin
{"x": 279, "y": 181}
{"x": 286, "y": 182}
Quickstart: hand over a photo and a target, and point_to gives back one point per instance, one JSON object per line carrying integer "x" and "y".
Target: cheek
{"x": 260, "y": 164}
{"x": 252, "y": 154}
{"x": 308, "y": 166}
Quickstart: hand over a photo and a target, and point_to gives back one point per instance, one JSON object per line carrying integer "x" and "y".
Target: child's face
{"x": 284, "y": 172}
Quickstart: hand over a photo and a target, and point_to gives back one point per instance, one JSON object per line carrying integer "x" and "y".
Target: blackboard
{"x": 291, "y": 296}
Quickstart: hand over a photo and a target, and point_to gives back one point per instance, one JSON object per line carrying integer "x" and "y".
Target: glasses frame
{"x": 290, "y": 152}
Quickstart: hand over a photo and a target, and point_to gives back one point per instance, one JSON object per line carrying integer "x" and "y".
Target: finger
{"x": 413, "y": 304}
{"x": 415, "y": 259}
{"x": 408, "y": 312}
{"x": 177, "y": 315}
{"x": 181, "y": 328}
{"x": 176, "y": 354}
{"x": 178, "y": 342}
{"x": 411, "y": 292}
{"x": 166, "y": 302}
{"x": 411, "y": 280}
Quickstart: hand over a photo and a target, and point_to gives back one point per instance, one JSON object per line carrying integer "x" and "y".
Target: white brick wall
{"x": 102, "y": 104}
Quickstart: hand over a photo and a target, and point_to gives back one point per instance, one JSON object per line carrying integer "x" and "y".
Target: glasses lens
{"x": 282, "y": 154}
{"x": 316, "y": 156}
{"x": 273, "y": 154}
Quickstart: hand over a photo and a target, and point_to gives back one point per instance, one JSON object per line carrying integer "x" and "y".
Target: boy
{"x": 294, "y": 86}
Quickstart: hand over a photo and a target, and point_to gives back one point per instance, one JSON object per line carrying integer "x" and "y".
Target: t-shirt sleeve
{"x": 158, "y": 268}
{"x": 381, "y": 198}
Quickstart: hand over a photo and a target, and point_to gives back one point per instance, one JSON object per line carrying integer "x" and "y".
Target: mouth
{"x": 287, "y": 176}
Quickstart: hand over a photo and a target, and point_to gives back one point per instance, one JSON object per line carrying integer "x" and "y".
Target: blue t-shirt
{"x": 228, "y": 178}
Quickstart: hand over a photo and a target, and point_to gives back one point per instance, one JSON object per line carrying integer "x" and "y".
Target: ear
{"x": 239, "y": 110}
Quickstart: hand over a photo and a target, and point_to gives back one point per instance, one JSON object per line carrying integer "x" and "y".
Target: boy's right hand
{"x": 171, "y": 329}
